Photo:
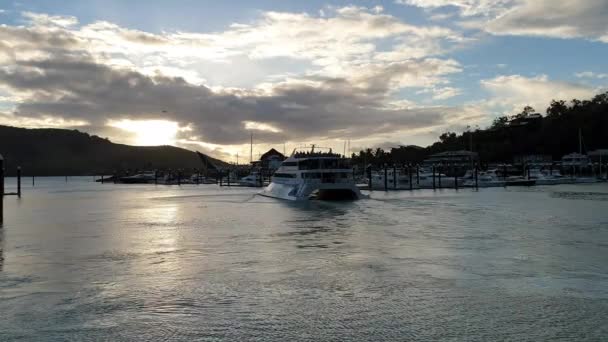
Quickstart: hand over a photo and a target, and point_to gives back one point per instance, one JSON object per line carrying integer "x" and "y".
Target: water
{"x": 91, "y": 262}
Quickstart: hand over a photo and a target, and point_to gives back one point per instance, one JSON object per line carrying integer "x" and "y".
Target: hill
{"x": 58, "y": 152}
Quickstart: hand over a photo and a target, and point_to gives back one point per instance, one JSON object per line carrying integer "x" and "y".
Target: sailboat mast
{"x": 251, "y": 150}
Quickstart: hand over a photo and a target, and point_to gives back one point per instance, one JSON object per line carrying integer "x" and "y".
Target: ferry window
{"x": 284, "y": 175}
{"x": 343, "y": 164}
{"x": 289, "y": 164}
{"x": 313, "y": 164}
{"x": 330, "y": 163}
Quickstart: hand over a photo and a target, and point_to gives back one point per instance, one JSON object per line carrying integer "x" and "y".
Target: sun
{"x": 149, "y": 132}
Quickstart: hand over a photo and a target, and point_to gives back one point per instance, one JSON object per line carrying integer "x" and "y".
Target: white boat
{"x": 485, "y": 179}
{"x": 313, "y": 174}
{"x": 575, "y": 160}
{"x": 402, "y": 180}
{"x": 145, "y": 177}
{"x": 424, "y": 179}
{"x": 253, "y": 179}
{"x": 544, "y": 177}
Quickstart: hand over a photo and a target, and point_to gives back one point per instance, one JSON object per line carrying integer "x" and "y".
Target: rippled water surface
{"x": 88, "y": 262}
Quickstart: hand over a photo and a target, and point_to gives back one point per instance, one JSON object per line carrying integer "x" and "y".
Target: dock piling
{"x": 1, "y": 189}
{"x": 476, "y": 179}
{"x": 433, "y": 177}
{"x": 417, "y": 174}
{"x": 385, "y": 178}
{"x": 18, "y": 181}
{"x": 409, "y": 171}
{"x": 439, "y": 174}
{"x": 394, "y": 177}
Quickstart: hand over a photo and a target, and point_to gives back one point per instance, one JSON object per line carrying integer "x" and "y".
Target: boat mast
{"x": 251, "y": 150}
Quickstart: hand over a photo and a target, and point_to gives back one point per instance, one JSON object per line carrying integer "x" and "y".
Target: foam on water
{"x": 85, "y": 261}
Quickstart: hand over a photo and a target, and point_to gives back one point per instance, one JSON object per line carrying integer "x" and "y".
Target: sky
{"x": 206, "y": 75}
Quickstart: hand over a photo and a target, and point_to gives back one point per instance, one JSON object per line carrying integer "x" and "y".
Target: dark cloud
{"x": 82, "y": 89}
{"x": 55, "y": 75}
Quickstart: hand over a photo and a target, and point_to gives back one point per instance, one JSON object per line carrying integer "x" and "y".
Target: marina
{"x": 311, "y": 171}
{"x": 153, "y": 262}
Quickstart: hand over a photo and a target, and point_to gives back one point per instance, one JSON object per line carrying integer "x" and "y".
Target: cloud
{"x": 441, "y": 93}
{"x": 513, "y": 92}
{"x": 101, "y": 72}
{"x": 326, "y": 108}
{"x": 546, "y": 18}
{"x": 590, "y": 74}
{"x": 466, "y": 8}
{"x": 41, "y": 19}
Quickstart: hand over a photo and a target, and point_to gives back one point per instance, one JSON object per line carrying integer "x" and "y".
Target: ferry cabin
{"x": 313, "y": 170}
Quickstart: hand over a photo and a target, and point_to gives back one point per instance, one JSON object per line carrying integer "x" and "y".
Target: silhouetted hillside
{"x": 70, "y": 152}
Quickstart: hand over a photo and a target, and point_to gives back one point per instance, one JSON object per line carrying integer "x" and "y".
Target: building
{"x": 270, "y": 160}
{"x": 533, "y": 159}
{"x": 461, "y": 157}
{"x": 531, "y": 119}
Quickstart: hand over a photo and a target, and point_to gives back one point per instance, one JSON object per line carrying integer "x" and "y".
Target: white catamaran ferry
{"x": 313, "y": 174}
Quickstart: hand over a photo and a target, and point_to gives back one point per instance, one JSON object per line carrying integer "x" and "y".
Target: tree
{"x": 525, "y": 113}
{"x": 500, "y": 122}
{"x": 557, "y": 108}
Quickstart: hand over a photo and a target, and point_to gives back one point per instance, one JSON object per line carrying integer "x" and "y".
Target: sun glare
{"x": 149, "y": 132}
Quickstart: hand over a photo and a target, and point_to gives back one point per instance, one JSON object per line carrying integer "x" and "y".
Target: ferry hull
{"x": 321, "y": 191}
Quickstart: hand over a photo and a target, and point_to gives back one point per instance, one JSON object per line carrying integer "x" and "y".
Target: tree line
{"x": 555, "y": 134}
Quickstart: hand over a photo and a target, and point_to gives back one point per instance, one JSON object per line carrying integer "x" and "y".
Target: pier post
{"x": 528, "y": 170}
{"x": 455, "y": 179}
{"x": 385, "y": 178}
{"x": 409, "y": 171}
{"x": 572, "y": 174}
{"x": 179, "y": 177}
{"x": 433, "y": 177}
{"x": 228, "y": 177}
{"x": 368, "y": 170}
{"x": 440, "y": 169}
{"x": 155, "y": 177}
{"x": 476, "y": 182}
{"x": 34, "y": 181}
{"x": 18, "y": 181}
{"x": 394, "y": 177}
{"x": 418, "y": 174}
{"x": 504, "y": 171}
{"x": 66, "y": 179}
{"x": 1, "y": 189}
